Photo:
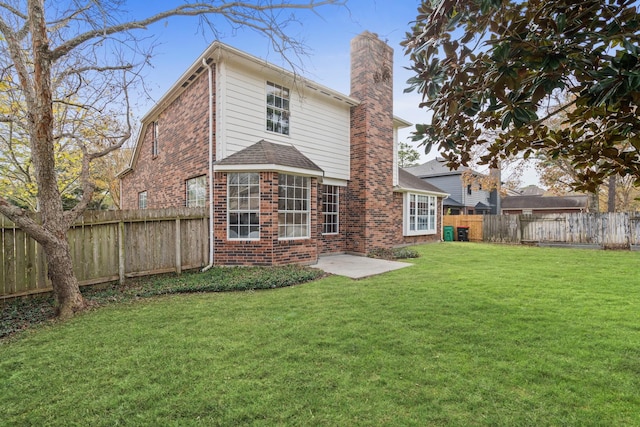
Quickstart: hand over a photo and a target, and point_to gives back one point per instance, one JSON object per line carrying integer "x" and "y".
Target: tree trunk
{"x": 66, "y": 290}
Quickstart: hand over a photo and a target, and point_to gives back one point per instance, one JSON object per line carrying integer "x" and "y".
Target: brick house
{"x": 294, "y": 169}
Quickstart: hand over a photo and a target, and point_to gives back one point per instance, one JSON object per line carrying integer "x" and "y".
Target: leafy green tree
{"x": 407, "y": 155}
{"x": 512, "y": 66}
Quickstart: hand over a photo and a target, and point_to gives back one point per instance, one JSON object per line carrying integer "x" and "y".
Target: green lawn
{"x": 471, "y": 334}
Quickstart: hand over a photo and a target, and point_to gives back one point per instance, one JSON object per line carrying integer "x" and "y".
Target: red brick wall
{"x": 182, "y": 151}
{"x": 269, "y": 250}
{"x": 370, "y": 192}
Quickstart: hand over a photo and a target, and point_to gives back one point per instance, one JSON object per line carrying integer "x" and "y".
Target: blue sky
{"x": 327, "y": 34}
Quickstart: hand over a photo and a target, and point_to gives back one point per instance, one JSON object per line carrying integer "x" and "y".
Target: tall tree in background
{"x": 407, "y": 155}
{"x": 499, "y": 65}
{"x": 86, "y": 54}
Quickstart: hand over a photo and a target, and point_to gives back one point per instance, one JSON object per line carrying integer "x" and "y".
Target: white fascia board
{"x": 415, "y": 190}
{"x": 401, "y": 123}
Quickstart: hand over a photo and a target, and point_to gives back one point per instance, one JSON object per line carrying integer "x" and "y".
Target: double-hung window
{"x": 243, "y": 205}
{"x": 277, "y": 108}
{"x": 196, "y": 191}
{"x": 294, "y": 207}
{"x": 142, "y": 200}
{"x": 330, "y": 209}
{"x": 420, "y": 214}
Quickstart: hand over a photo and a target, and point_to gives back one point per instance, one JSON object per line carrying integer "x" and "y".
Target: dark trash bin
{"x": 463, "y": 234}
{"x": 448, "y": 233}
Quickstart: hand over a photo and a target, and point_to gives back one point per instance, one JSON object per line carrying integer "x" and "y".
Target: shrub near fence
{"x": 108, "y": 246}
{"x": 604, "y": 230}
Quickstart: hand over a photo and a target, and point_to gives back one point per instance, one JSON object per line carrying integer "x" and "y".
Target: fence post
{"x": 178, "y": 248}
{"x": 121, "y": 254}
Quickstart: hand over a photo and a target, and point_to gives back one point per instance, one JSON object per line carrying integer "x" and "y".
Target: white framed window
{"x": 196, "y": 195}
{"x": 277, "y": 108}
{"x": 294, "y": 207}
{"x": 243, "y": 206}
{"x": 154, "y": 140}
{"x": 420, "y": 214}
{"x": 142, "y": 200}
{"x": 330, "y": 209}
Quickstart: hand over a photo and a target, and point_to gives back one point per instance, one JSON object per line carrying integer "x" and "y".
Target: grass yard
{"x": 472, "y": 334}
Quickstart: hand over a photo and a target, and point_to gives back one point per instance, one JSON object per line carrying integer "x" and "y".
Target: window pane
{"x": 293, "y": 206}
{"x": 243, "y": 206}
{"x": 277, "y": 111}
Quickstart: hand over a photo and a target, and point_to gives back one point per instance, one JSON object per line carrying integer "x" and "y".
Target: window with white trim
{"x": 277, "y": 108}
{"x": 420, "y": 214}
{"x": 243, "y": 205}
{"x": 294, "y": 206}
{"x": 142, "y": 200}
{"x": 196, "y": 191}
{"x": 330, "y": 209}
{"x": 154, "y": 141}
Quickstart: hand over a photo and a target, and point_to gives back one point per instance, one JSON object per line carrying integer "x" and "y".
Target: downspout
{"x": 211, "y": 234}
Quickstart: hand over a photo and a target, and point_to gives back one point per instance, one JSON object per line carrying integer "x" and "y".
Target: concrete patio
{"x": 357, "y": 267}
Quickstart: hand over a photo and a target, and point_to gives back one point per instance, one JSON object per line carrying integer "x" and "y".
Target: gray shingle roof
{"x": 409, "y": 181}
{"x": 269, "y": 153}
{"x": 452, "y": 203}
{"x": 543, "y": 202}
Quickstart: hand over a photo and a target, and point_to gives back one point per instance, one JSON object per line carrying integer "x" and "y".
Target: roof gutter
{"x": 211, "y": 234}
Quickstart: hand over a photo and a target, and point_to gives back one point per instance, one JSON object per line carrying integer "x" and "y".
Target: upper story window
{"x": 277, "y": 108}
{"x": 196, "y": 191}
{"x": 294, "y": 206}
{"x": 330, "y": 209}
{"x": 142, "y": 200}
{"x": 154, "y": 141}
{"x": 243, "y": 205}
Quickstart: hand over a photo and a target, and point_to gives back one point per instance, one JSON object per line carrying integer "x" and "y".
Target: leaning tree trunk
{"x": 41, "y": 123}
{"x": 66, "y": 290}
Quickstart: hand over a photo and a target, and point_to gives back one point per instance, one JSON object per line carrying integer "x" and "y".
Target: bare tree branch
{"x": 80, "y": 70}
{"x": 192, "y": 9}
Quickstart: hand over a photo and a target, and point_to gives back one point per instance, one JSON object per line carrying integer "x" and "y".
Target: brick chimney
{"x": 370, "y": 190}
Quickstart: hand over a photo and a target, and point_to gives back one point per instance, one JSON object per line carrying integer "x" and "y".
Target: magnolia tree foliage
{"x": 67, "y": 68}
{"x": 500, "y": 67}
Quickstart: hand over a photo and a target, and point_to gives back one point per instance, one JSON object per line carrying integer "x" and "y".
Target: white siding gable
{"x": 319, "y": 123}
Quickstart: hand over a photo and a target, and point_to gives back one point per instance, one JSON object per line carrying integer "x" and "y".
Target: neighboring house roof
{"x": 435, "y": 167}
{"x": 408, "y": 181}
{"x": 544, "y": 202}
{"x": 265, "y": 155}
{"x": 452, "y": 203}
{"x": 531, "y": 190}
{"x": 482, "y": 207}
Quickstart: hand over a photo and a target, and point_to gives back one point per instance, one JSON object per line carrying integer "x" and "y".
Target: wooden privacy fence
{"x": 474, "y": 222}
{"x": 108, "y": 246}
{"x": 605, "y": 230}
